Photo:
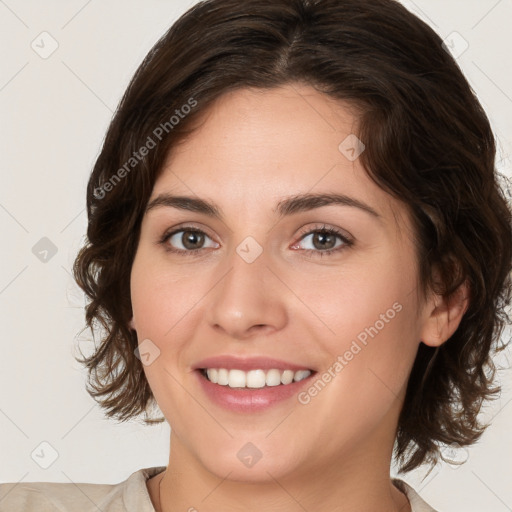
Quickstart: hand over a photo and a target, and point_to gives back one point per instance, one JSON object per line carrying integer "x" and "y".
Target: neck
{"x": 359, "y": 480}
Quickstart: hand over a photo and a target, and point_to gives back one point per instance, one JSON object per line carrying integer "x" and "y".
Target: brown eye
{"x": 324, "y": 240}
{"x": 187, "y": 241}
{"x": 192, "y": 239}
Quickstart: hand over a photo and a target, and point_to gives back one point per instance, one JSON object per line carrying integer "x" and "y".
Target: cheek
{"x": 162, "y": 297}
{"x": 163, "y": 302}
{"x": 365, "y": 374}
{"x": 374, "y": 292}
{"x": 370, "y": 312}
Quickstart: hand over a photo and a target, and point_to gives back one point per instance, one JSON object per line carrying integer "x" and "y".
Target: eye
{"x": 189, "y": 241}
{"x": 186, "y": 240}
{"x": 325, "y": 241}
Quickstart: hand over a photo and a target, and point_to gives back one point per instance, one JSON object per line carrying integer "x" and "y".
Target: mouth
{"x": 254, "y": 379}
{"x": 243, "y": 384}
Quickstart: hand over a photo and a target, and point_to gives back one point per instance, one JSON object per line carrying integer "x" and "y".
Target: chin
{"x": 244, "y": 462}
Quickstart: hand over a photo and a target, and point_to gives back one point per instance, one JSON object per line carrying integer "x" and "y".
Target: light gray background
{"x": 54, "y": 112}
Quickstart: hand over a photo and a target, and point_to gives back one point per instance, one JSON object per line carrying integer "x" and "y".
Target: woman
{"x": 297, "y": 248}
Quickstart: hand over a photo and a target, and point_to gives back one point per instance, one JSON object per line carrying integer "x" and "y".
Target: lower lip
{"x": 249, "y": 399}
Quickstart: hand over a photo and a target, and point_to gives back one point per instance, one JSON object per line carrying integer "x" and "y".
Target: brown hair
{"x": 428, "y": 144}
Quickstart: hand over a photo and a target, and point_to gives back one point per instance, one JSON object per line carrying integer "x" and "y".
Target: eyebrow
{"x": 288, "y": 206}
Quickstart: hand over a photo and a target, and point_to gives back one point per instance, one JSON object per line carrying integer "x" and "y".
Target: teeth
{"x": 213, "y": 374}
{"x": 273, "y": 377}
{"x": 222, "y": 377}
{"x": 237, "y": 379}
{"x": 301, "y": 374}
{"x": 287, "y": 377}
{"x": 254, "y": 378}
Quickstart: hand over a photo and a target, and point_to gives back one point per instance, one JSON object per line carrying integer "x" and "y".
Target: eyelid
{"x": 321, "y": 226}
{"x": 347, "y": 239}
{"x": 188, "y": 226}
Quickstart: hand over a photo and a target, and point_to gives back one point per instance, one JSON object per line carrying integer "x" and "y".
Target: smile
{"x": 235, "y": 378}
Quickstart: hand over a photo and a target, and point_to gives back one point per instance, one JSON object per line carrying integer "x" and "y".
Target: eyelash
{"x": 317, "y": 229}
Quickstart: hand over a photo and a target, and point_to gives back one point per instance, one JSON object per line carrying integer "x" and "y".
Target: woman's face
{"x": 256, "y": 282}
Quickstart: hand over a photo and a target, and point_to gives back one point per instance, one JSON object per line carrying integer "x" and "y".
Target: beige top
{"x": 131, "y": 495}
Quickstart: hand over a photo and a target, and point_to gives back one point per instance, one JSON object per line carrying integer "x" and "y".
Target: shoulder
{"x": 51, "y": 497}
{"x": 127, "y": 496}
{"x": 417, "y": 503}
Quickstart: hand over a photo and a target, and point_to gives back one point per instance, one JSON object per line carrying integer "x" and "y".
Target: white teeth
{"x": 237, "y": 379}
{"x": 301, "y": 374}
{"x": 222, "y": 377}
{"x": 254, "y": 378}
{"x": 213, "y": 374}
{"x": 273, "y": 378}
{"x": 287, "y": 377}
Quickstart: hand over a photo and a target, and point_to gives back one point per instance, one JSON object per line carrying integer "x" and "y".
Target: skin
{"x": 255, "y": 148}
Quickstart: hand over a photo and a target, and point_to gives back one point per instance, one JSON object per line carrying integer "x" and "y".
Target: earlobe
{"x": 444, "y": 316}
{"x": 131, "y": 324}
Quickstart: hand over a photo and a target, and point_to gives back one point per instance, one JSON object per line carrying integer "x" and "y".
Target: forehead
{"x": 255, "y": 146}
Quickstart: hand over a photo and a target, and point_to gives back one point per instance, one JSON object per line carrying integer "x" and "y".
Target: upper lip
{"x": 248, "y": 363}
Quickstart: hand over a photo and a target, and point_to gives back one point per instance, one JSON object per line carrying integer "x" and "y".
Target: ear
{"x": 131, "y": 324}
{"x": 443, "y": 316}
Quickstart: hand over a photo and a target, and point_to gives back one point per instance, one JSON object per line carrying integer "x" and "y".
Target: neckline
{"x": 417, "y": 504}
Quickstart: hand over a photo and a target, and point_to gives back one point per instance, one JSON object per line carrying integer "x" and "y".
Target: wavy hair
{"x": 428, "y": 143}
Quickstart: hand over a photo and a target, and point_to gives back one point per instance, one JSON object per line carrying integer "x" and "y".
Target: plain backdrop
{"x": 54, "y": 110}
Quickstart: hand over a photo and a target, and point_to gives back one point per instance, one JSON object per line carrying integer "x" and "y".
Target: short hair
{"x": 428, "y": 142}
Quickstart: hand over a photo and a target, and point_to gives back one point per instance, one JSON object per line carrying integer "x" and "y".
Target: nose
{"x": 250, "y": 300}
